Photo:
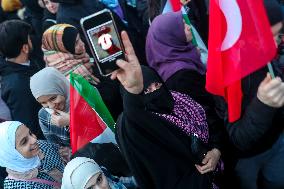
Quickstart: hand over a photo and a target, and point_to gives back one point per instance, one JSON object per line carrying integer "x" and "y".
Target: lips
{"x": 35, "y": 148}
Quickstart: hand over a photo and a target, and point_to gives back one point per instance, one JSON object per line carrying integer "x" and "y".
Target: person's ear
{"x": 25, "y": 48}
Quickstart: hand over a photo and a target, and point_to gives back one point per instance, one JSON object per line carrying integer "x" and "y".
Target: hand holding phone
{"x": 130, "y": 73}
{"x": 104, "y": 40}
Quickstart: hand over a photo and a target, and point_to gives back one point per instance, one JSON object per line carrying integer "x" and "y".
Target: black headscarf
{"x": 161, "y": 100}
{"x": 157, "y": 153}
{"x": 69, "y": 38}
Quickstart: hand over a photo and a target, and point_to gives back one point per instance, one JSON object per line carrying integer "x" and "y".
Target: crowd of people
{"x": 170, "y": 131}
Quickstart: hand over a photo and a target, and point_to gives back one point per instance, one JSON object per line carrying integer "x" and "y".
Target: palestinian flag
{"x": 172, "y": 6}
{"x": 90, "y": 120}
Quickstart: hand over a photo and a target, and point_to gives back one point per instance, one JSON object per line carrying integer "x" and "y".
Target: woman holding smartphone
{"x": 152, "y": 135}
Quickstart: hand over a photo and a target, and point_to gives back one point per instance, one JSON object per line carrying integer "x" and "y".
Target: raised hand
{"x": 130, "y": 73}
{"x": 271, "y": 92}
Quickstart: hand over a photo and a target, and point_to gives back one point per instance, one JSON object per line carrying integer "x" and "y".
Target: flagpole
{"x": 187, "y": 21}
{"x": 270, "y": 69}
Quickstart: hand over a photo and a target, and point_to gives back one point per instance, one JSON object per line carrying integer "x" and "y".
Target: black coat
{"x": 107, "y": 155}
{"x": 7, "y": 15}
{"x": 137, "y": 26}
{"x": 48, "y": 20}
{"x": 33, "y": 15}
{"x": 158, "y": 153}
{"x": 16, "y": 93}
{"x": 33, "y": 8}
{"x": 260, "y": 125}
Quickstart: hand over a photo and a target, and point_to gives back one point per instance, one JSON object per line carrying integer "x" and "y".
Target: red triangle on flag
{"x": 85, "y": 123}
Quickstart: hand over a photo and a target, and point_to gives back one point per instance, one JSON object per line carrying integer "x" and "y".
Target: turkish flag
{"x": 240, "y": 42}
{"x": 176, "y": 6}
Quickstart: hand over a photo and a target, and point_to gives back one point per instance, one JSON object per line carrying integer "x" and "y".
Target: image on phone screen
{"x": 105, "y": 42}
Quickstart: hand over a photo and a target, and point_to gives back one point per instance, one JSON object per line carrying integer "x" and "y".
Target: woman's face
{"x": 51, "y": 6}
{"x": 55, "y": 102}
{"x": 26, "y": 142}
{"x": 79, "y": 46}
{"x": 187, "y": 31}
{"x": 98, "y": 181}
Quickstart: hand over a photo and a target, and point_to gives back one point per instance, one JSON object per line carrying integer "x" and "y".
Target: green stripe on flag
{"x": 187, "y": 21}
{"x": 92, "y": 97}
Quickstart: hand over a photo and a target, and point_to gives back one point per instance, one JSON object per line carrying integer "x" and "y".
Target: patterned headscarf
{"x": 189, "y": 116}
{"x": 53, "y": 38}
{"x": 60, "y": 53}
{"x": 9, "y": 156}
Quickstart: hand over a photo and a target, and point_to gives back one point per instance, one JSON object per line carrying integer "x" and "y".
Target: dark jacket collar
{"x": 7, "y": 68}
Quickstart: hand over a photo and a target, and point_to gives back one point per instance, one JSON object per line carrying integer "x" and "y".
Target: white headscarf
{"x": 78, "y": 172}
{"x": 9, "y": 156}
{"x": 50, "y": 81}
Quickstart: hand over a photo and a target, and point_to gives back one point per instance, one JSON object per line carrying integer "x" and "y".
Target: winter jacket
{"x": 16, "y": 93}
{"x": 260, "y": 125}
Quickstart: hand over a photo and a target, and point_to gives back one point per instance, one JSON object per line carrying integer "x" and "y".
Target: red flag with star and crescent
{"x": 240, "y": 42}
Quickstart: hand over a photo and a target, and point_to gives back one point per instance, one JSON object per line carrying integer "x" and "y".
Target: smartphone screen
{"x": 103, "y": 40}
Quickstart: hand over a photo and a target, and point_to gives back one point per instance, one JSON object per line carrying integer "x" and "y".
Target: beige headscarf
{"x": 78, "y": 172}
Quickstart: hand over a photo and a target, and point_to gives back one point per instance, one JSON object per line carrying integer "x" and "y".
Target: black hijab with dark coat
{"x": 157, "y": 153}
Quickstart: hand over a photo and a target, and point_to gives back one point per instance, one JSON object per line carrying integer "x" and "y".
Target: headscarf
{"x": 78, "y": 172}
{"x": 167, "y": 50}
{"x": 11, "y": 5}
{"x": 188, "y": 116}
{"x": 58, "y": 45}
{"x": 50, "y": 81}
{"x": 177, "y": 108}
{"x": 9, "y": 156}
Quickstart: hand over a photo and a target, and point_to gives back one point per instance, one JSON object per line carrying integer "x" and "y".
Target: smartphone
{"x": 104, "y": 40}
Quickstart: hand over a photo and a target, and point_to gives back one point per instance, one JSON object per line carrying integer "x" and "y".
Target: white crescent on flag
{"x": 233, "y": 16}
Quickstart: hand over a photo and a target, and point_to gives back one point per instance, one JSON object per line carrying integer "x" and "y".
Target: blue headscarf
{"x": 9, "y": 156}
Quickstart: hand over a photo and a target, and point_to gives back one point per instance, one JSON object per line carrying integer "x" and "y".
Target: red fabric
{"x": 85, "y": 124}
{"x": 113, "y": 49}
{"x": 176, "y": 6}
{"x": 253, "y": 49}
